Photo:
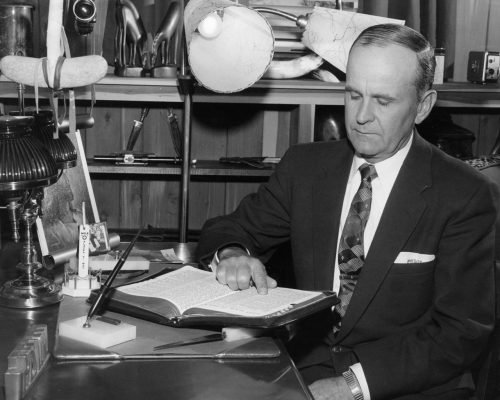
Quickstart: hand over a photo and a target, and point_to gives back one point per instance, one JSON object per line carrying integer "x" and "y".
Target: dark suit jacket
{"x": 413, "y": 327}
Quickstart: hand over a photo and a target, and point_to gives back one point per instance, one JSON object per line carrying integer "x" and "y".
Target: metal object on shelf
{"x": 254, "y": 162}
{"x": 135, "y": 54}
{"x": 137, "y": 158}
{"x": 483, "y": 66}
{"x": 130, "y": 39}
{"x": 136, "y": 129}
{"x": 16, "y": 36}
{"x": 83, "y": 121}
{"x": 161, "y": 44}
{"x": 175, "y": 132}
{"x": 131, "y": 157}
{"x": 16, "y": 30}
{"x": 84, "y": 12}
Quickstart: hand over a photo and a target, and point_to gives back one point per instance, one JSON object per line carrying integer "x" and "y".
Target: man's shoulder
{"x": 454, "y": 178}
{"x": 454, "y": 168}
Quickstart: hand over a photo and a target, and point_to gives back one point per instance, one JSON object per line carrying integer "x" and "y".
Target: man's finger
{"x": 243, "y": 278}
{"x": 271, "y": 283}
{"x": 220, "y": 273}
{"x": 259, "y": 277}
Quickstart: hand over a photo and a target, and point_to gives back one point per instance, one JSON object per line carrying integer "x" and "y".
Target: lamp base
{"x": 30, "y": 291}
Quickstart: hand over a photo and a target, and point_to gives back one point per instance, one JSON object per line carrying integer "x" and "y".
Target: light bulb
{"x": 211, "y": 26}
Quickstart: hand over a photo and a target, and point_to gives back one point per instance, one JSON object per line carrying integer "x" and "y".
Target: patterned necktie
{"x": 351, "y": 255}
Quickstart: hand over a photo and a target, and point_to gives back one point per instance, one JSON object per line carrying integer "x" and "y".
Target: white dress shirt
{"x": 387, "y": 172}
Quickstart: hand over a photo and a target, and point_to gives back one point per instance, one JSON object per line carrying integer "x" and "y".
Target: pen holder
{"x": 77, "y": 286}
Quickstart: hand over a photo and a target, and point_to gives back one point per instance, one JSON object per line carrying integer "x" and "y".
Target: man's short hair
{"x": 384, "y": 34}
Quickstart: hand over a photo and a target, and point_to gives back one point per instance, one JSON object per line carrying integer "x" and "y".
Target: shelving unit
{"x": 304, "y": 94}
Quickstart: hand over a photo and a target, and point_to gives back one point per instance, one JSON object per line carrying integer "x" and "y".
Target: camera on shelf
{"x": 84, "y": 12}
{"x": 483, "y": 66}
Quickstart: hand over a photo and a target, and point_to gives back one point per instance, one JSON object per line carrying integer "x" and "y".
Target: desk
{"x": 155, "y": 379}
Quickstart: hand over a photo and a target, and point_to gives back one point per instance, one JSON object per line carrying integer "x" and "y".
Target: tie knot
{"x": 368, "y": 172}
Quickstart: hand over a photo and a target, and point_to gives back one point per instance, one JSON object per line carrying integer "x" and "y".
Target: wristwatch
{"x": 353, "y": 384}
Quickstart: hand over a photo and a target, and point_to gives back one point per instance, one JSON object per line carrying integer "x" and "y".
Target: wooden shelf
{"x": 201, "y": 168}
{"x": 468, "y": 95}
{"x": 110, "y": 88}
{"x": 265, "y": 91}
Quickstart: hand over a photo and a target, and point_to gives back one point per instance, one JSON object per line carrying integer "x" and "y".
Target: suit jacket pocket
{"x": 405, "y": 295}
{"x": 412, "y": 268}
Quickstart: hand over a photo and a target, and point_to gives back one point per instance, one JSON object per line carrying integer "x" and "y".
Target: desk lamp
{"x": 25, "y": 167}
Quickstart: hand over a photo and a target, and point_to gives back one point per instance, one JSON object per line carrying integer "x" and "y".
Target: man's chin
{"x": 364, "y": 151}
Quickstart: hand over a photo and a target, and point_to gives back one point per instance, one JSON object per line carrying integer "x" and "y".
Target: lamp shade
{"x": 24, "y": 162}
{"x": 229, "y": 46}
{"x": 61, "y": 149}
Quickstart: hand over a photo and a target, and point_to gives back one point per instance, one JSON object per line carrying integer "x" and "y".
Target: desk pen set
{"x": 101, "y": 331}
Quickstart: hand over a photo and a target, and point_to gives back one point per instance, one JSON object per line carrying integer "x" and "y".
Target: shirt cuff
{"x": 357, "y": 370}
{"x": 215, "y": 259}
{"x": 213, "y": 263}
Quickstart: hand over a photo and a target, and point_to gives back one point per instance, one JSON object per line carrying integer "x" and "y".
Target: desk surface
{"x": 155, "y": 379}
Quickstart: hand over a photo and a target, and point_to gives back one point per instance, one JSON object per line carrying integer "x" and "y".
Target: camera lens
{"x": 84, "y": 10}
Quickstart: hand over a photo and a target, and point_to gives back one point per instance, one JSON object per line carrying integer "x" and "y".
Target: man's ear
{"x": 425, "y": 105}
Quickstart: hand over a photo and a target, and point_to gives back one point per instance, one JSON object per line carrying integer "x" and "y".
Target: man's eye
{"x": 354, "y": 96}
{"x": 383, "y": 102}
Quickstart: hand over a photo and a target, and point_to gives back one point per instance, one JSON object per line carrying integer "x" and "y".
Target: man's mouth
{"x": 363, "y": 132}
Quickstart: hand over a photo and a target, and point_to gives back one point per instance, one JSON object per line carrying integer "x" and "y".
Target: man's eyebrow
{"x": 384, "y": 97}
{"x": 375, "y": 96}
{"x": 349, "y": 88}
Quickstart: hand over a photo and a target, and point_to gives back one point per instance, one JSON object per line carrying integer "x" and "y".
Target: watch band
{"x": 353, "y": 384}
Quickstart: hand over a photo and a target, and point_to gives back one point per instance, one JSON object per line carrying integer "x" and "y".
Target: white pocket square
{"x": 407, "y": 257}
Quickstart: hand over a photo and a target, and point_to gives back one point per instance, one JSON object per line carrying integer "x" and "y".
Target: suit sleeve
{"x": 260, "y": 223}
{"x": 451, "y": 336}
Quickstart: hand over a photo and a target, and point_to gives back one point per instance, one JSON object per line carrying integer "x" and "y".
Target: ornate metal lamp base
{"x": 30, "y": 291}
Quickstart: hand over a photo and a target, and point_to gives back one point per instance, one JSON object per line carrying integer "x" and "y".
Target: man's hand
{"x": 239, "y": 271}
{"x": 331, "y": 389}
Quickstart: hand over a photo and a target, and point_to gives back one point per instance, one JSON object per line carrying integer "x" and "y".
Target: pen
{"x": 107, "y": 284}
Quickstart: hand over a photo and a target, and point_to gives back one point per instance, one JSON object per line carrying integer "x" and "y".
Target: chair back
{"x": 488, "y": 376}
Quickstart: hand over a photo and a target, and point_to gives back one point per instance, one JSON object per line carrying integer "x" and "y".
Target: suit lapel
{"x": 327, "y": 198}
{"x": 403, "y": 209}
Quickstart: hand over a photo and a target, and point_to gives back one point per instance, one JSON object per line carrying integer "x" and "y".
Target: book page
{"x": 186, "y": 287}
{"x": 252, "y": 304}
{"x": 189, "y": 287}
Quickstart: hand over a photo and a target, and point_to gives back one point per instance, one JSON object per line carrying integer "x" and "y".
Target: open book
{"x": 190, "y": 296}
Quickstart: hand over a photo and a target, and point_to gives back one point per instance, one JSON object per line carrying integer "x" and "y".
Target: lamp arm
{"x": 300, "y": 21}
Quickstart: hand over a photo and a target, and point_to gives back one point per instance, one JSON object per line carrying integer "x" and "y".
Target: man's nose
{"x": 364, "y": 113}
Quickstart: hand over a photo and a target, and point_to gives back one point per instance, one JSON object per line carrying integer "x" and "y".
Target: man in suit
{"x": 417, "y": 312}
